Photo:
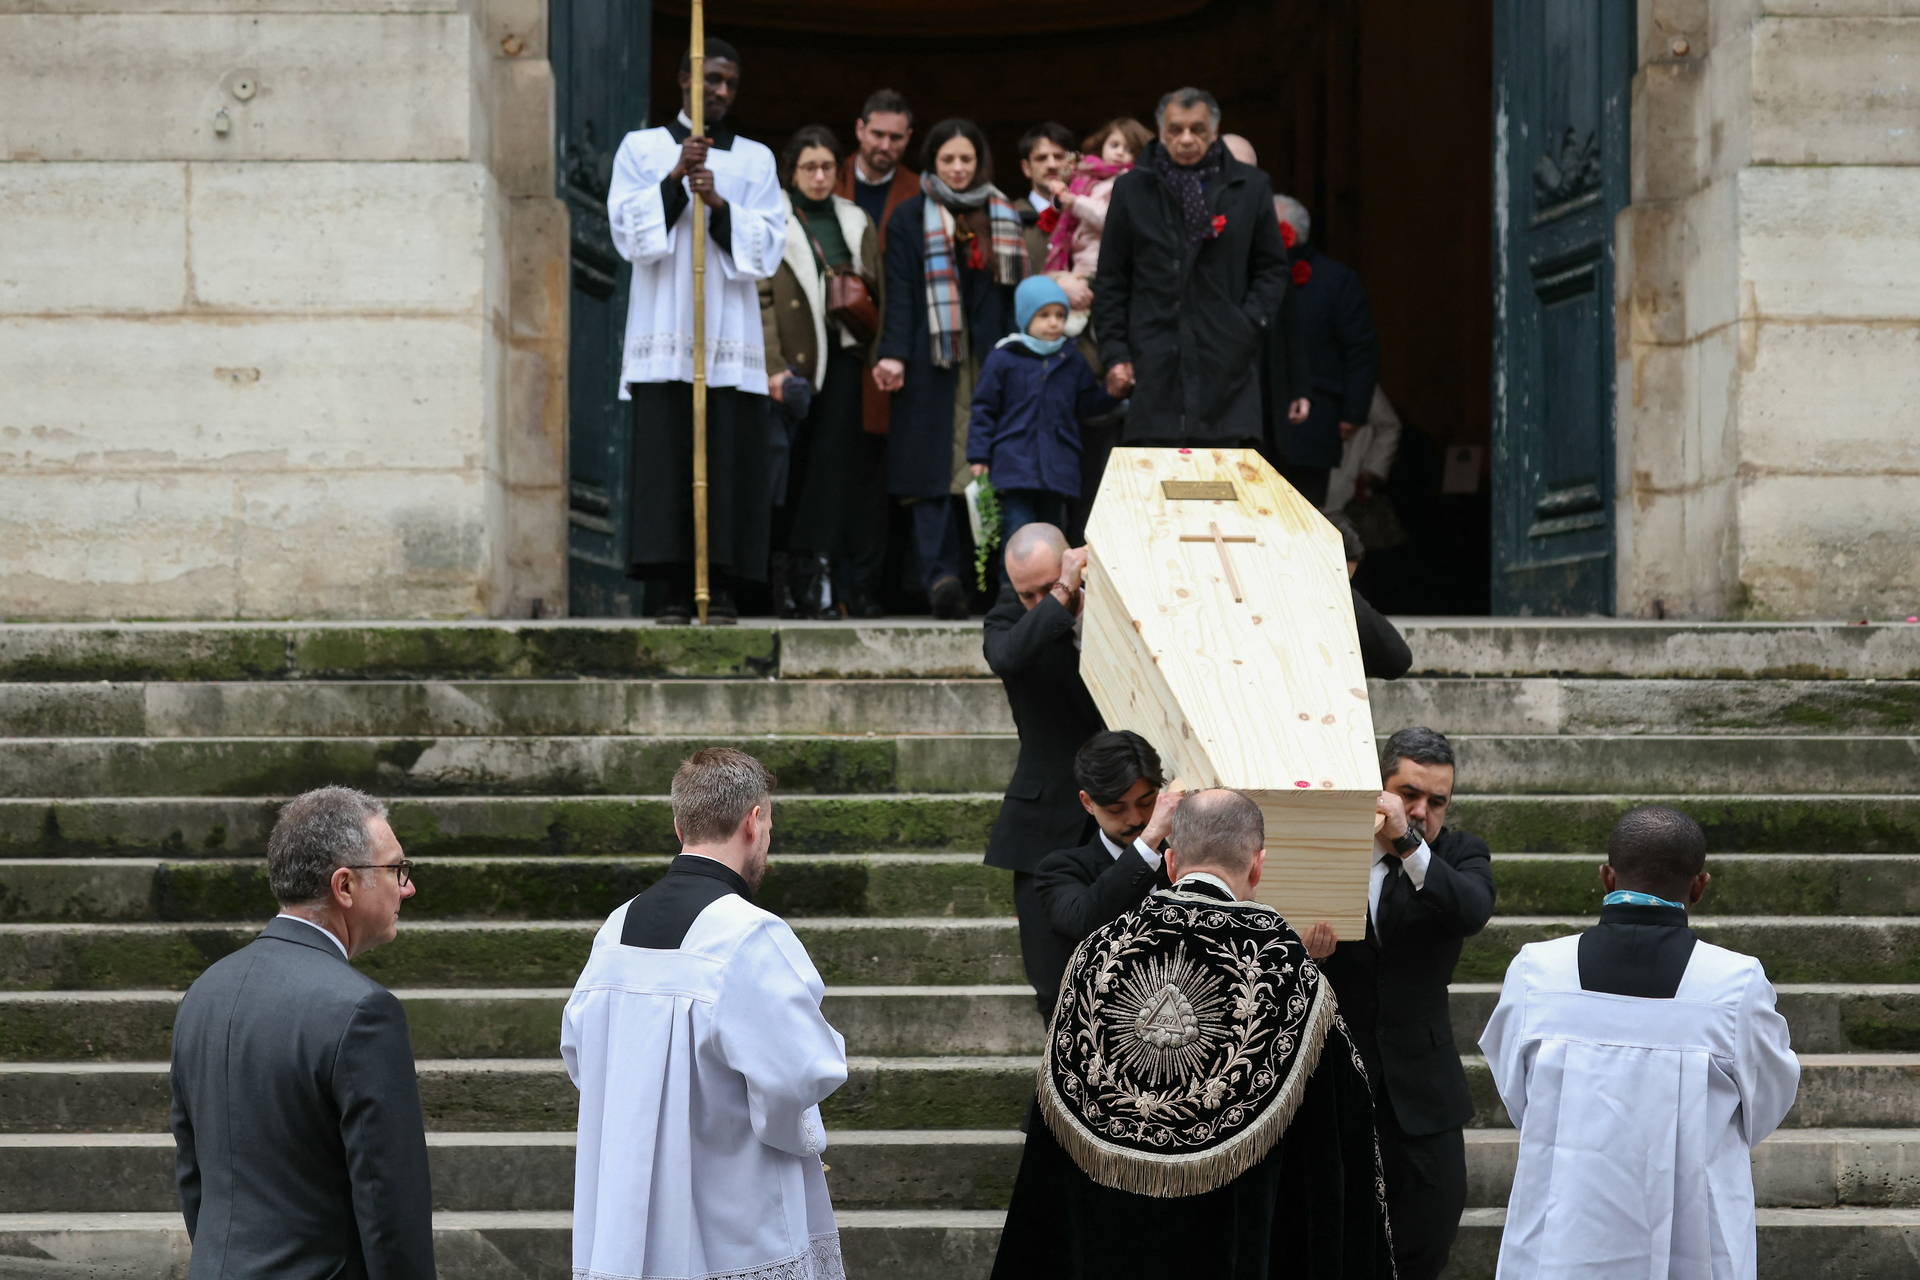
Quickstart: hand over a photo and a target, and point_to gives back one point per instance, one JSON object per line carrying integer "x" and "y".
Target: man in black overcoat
{"x": 1431, "y": 889}
{"x": 1192, "y": 274}
{"x": 1343, "y": 360}
{"x": 1120, "y": 781}
{"x": 1032, "y": 644}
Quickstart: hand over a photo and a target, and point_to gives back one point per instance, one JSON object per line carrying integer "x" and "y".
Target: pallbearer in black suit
{"x": 299, "y": 1147}
{"x": 1032, "y": 643}
{"x": 1431, "y": 888}
{"x": 1120, "y": 788}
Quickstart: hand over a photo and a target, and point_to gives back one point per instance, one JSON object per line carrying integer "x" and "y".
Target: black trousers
{"x": 1426, "y": 1191}
{"x": 1036, "y": 934}
{"x": 1310, "y": 481}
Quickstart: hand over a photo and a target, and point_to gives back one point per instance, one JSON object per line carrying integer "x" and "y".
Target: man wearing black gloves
{"x": 1032, "y": 643}
{"x": 1121, "y": 789}
{"x": 1431, "y": 888}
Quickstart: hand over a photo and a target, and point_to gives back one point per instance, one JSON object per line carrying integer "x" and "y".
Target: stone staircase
{"x": 527, "y": 764}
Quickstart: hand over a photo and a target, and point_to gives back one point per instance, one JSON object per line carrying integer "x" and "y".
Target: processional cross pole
{"x": 1219, "y": 541}
{"x": 697, "y": 115}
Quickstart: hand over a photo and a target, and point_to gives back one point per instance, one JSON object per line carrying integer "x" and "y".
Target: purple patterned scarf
{"x": 1189, "y": 187}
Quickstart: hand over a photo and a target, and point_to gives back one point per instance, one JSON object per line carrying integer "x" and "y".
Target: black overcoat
{"x": 1190, "y": 318}
{"x": 1033, "y": 653}
{"x": 920, "y": 441}
{"x": 1343, "y": 359}
{"x": 1393, "y": 988}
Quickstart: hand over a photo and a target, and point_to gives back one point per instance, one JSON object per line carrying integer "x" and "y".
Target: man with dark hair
{"x": 1046, "y": 158}
{"x": 695, "y": 1038}
{"x": 299, "y": 1146}
{"x": 1081, "y": 889}
{"x": 1031, "y": 641}
{"x": 1658, "y": 1058}
{"x": 1192, "y": 274}
{"x": 1431, "y": 888}
{"x": 663, "y": 179}
{"x": 1201, "y": 1112}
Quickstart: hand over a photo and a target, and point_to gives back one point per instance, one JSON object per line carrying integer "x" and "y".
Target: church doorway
{"x": 1374, "y": 113}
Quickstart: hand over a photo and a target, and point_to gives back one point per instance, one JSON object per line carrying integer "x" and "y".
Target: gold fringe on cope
{"x": 1172, "y": 1176}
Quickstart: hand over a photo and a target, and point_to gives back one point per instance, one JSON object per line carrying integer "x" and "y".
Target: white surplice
{"x": 700, "y": 1072}
{"x": 1637, "y": 1117}
{"x": 659, "y": 338}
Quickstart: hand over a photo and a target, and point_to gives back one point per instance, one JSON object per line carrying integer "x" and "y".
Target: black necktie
{"x": 1394, "y": 872}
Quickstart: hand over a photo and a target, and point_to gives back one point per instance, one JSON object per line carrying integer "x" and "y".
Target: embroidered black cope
{"x": 1182, "y": 1044}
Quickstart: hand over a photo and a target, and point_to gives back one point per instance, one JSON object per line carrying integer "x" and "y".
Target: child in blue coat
{"x": 1032, "y": 392}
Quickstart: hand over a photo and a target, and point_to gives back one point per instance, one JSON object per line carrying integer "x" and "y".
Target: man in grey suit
{"x": 296, "y": 1111}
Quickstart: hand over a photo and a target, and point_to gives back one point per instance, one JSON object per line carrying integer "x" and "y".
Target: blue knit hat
{"x": 1034, "y": 293}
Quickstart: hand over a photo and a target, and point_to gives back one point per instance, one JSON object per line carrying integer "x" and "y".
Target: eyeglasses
{"x": 818, "y": 166}
{"x": 403, "y": 869}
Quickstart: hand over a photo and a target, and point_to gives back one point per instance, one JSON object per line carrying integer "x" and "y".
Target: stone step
{"x": 901, "y": 1021}
{"x": 1856, "y": 1091}
{"x": 491, "y": 766}
{"x": 172, "y": 826}
{"x": 880, "y": 1169}
{"x": 109, "y": 890}
{"x": 851, "y": 951}
{"x": 920, "y": 1244}
{"x": 628, "y": 649}
{"x": 569, "y": 708}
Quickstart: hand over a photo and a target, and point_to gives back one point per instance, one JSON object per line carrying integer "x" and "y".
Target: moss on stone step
{"x": 1734, "y": 824}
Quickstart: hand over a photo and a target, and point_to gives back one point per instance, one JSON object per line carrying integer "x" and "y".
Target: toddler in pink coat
{"x": 1073, "y": 246}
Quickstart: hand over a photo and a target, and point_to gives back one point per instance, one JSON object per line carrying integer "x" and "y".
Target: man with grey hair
{"x": 696, "y": 1041}
{"x": 1032, "y": 642}
{"x": 300, "y": 1150}
{"x": 1197, "y": 1079}
{"x": 1431, "y": 888}
{"x": 1192, "y": 277}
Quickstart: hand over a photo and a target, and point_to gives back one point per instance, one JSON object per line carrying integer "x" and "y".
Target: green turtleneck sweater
{"x": 825, "y": 226}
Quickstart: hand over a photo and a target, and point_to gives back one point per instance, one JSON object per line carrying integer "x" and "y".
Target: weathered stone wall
{"x": 1769, "y": 312}
{"x": 311, "y": 365}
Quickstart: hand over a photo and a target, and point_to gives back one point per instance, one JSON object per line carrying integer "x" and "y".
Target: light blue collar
{"x": 1628, "y": 898}
{"x": 1035, "y": 345}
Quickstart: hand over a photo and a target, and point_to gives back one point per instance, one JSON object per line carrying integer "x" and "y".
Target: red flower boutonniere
{"x": 1302, "y": 272}
{"x": 1287, "y": 237}
{"x": 1049, "y": 219}
{"x": 976, "y": 257}
{"x": 1219, "y": 224}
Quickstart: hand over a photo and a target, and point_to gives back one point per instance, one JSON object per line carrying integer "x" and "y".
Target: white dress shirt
{"x": 1415, "y": 865}
{"x": 1140, "y": 846}
{"x": 332, "y": 937}
{"x": 1039, "y": 202}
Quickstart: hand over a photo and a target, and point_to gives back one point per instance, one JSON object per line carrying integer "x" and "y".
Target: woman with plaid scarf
{"x": 954, "y": 254}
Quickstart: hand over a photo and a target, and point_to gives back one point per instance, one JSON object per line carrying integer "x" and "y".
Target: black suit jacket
{"x": 1393, "y": 989}
{"x": 1033, "y": 653}
{"x": 1083, "y": 889}
{"x": 1343, "y": 359}
{"x": 1383, "y": 650}
{"x": 296, "y": 1116}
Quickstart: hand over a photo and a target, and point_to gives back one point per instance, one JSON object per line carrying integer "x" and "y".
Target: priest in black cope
{"x": 1121, "y": 790}
{"x": 1202, "y": 1113}
{"x": 1033, "y": 644}
{"x": 1431, "y": 888}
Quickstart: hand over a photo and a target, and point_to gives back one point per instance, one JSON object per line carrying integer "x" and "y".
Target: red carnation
{"x": 1049, "y": 219}
{"x": 1302, "y": 272}
{"x": 1287, "y": 237}
{"x": 1219, "y": 223}
{"x": 976, "y": 258}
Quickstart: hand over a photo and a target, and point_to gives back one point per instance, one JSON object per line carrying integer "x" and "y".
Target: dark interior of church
{"x": 1376, "y": 114}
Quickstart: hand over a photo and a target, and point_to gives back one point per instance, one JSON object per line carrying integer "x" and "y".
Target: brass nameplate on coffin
{"x": 1198, "y": 491}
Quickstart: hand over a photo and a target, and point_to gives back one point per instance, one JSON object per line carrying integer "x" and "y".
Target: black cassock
{"x": 1312, "y": 1208}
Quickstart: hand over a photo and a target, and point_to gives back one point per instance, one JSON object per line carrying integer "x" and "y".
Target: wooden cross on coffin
{"x": 1245, "y": 676}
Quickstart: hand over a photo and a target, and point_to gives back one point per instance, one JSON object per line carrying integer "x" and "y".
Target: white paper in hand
{"x": 972, "y": 492}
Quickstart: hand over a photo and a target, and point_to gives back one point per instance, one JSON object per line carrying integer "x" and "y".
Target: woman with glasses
{"x": 814, "y": 366}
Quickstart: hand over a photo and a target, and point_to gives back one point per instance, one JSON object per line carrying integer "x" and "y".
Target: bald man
{"x": 1033, "y": 645}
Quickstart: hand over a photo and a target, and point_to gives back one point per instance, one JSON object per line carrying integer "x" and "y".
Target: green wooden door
{"x": 1562, "y": 80}
{"x": 599, "y": 54}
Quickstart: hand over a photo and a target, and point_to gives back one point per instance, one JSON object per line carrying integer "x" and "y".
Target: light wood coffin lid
{"x": 1267, "y": 696}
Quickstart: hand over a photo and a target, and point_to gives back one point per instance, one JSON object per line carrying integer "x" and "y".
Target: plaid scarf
{"x": 1188, "y": 186}
{"x": 946, "y": 318}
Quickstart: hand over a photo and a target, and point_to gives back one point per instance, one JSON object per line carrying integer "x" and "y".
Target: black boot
{"x": 949, "y": 599}
{"x": 780, "y": 580}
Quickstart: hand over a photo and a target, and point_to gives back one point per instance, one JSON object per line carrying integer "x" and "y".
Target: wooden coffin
{"x": 1236, "y": 657}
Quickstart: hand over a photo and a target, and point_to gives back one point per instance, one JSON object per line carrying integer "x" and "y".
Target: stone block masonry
{"x": 282, "y": 311}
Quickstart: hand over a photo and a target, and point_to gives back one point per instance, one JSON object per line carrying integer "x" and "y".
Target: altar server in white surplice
{"x": 663, "y": 179}
{"x": 695, "y": 1038}
{"x": 1642, "y": 1066}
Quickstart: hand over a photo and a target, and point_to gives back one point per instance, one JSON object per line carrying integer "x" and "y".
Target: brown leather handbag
{"x": 849, "y": 301}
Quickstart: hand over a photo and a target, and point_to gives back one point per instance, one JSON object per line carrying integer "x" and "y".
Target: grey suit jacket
{"x": 296, "y": 1113}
